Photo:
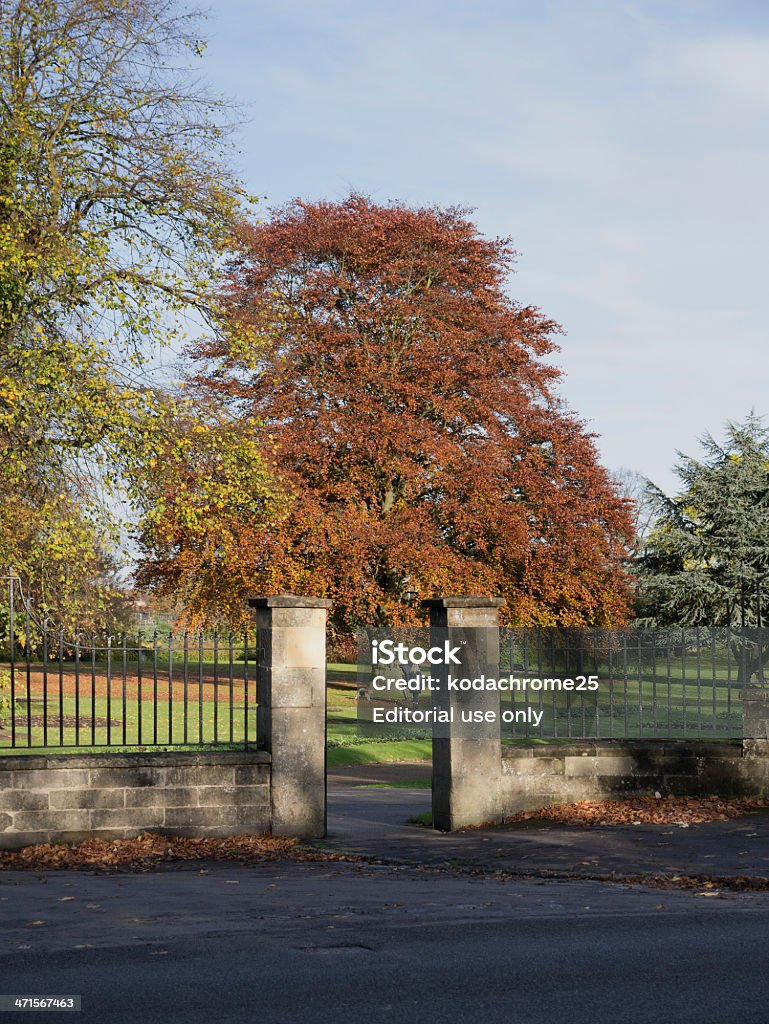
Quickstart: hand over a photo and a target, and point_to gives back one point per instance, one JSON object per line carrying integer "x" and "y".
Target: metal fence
{"x": 125, "y": 692}
{"x": 632, "y": 683}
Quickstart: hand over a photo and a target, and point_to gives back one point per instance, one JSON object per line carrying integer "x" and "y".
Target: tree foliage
{"x": 115, "y": 204}
{"x": 56, "y": 554}
{"x": 206, "y": 498}
{"x": 409, "y": 413}
{"x": 706, "y": 561}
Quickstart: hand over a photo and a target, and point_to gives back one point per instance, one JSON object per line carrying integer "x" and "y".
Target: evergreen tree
{"x": 706, "y": 560}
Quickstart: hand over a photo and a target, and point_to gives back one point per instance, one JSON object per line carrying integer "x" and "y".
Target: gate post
{"x": 291, "y": 693}
{"x": 466, "y": 771}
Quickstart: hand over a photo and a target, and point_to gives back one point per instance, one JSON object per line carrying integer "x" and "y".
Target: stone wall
{"x": 280, "y": 788}
{"x": 532, "y": 777}
{"x": 526, "y": 778}
{"x": 479, "y": 779}
{"x": 68, "y": 798}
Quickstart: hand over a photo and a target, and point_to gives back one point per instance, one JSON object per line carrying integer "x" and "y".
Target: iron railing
{"x": 665, "y": 683}
{"x": 156, "y": 690}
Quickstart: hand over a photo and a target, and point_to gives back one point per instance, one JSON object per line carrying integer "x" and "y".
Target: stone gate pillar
{"x": 466, "y": 769}
{"x": 291, "y": 692}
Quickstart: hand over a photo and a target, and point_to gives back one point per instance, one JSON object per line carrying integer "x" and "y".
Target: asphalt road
{"x": 373, "y": 822}
{"x": 313, "y": 943}
{"x": 424, "y": 941}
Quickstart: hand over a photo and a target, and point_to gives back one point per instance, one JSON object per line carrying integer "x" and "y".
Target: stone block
{"x": 618, "y": 785}
{"x": 755, "y": 713}
{"x": 593, "y": 766}
{"x": 116, "y": 820}
{"x": 47, "y": 779}
{"x": 585, "y": 749}
{"x": 510, "y": 753}
{"x": 79, "y": 799}
{"x": 230, "y": 796}
{"x": 118, "y": 778}
{"x": 200, "y": 775}
{"x": 161, "y": 796}
{"x": 252, "y": 819}
{"x": 308, "y": 619}
{"x": 296, "y": 647}
{"x": 23, "y": 800}
{"x": 194, "y": 817}
{"x": 252, "y": 775}
{"x": 533, "y": 767}
{"x": 18, "y": 840}
{"x": 295, "y": 687}
{"x": 755, "y": 748}
{"x": 51, "y": 821}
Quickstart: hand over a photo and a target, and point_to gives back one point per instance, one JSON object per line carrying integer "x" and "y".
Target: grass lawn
{"x": 68, "y": 725}
{"x": 379, "y": 752}
{"x": 346, "y": 745}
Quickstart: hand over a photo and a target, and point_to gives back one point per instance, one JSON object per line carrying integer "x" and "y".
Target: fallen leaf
{"x": 151, "y": 849}
{"x": 656, "y": 810}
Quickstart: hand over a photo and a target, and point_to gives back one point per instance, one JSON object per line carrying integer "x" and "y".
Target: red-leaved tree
{"x": 403, "y": 401}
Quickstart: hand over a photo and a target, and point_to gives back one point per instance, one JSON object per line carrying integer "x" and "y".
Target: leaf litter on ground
{"x": 641, "y": 810}
{"x": 150, "y": 850}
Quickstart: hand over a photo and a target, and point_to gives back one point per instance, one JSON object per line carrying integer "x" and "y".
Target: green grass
{"x": 384, "y": 752}
{"x": 162, "y": 727}
{"x": 340, "y": 668}
{"x": 347, "y": 742}
{"x": 425, "y": 819}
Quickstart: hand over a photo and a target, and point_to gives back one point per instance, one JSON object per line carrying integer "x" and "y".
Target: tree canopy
{"x": 115, "y": 205}
{"x": 706, "y": 561}
{"x": 407, "y": 409}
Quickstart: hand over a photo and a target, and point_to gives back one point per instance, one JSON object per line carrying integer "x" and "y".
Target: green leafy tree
{"x": 205, "y": 497}
{"x": 706, "y": 559}
{"x": 116, "y": 204}
{"x": 65, "y": 573}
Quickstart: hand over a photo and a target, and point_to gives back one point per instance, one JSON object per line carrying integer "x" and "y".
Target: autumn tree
{"x": 115, "y": 205}
{"x": 206, "y": 498}
{"x": 409, "y": 410}
{"x": 62, "y": 566}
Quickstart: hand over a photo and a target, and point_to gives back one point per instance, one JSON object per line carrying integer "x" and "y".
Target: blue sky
{"x": 623, "y": 145}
